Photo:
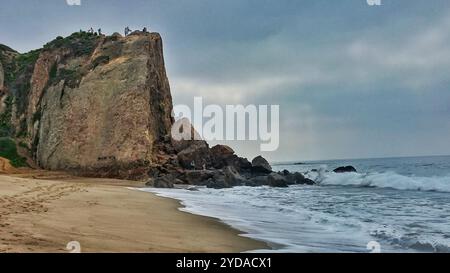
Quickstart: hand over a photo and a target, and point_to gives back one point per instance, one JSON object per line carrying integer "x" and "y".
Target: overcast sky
{"x": 352, "y": 81}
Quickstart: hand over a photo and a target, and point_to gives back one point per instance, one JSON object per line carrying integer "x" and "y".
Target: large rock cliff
{"x": 88, "y": 102}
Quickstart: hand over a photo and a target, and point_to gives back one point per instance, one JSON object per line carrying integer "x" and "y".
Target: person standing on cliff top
{"x": 127, "y": 31}
{"x": 100, "y": 32}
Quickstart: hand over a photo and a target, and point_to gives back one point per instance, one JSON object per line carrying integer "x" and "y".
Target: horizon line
{"x": 355, "y": 158}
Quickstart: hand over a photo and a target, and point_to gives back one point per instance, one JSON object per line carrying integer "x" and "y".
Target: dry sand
{"x": 103, "y": 216}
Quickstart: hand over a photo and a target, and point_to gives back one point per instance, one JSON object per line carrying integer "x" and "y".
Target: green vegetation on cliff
{"x": 5, "y": 48}
{"x": 6, "y": 58}
{"x": 5, "y": 118}
{"x": 80, "y": 43}
{"x": 18, "y": 70}
{"x": 21, "y": 87}
{"x": 8, "y": 150}
{"x": 15, "y": 64}
{"x": 71, "y": 77}
{"x": 27, "y": 59}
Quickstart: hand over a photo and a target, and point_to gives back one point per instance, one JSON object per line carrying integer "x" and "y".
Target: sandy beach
{"x": 43, "y": 212}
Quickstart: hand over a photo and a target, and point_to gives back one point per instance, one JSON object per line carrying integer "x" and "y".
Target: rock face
{"x": 347, "y": 169}
{"x": 115, "y": 114}
{"x": 95, "y": 103}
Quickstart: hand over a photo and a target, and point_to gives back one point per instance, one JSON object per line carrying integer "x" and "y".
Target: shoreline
{"x": 105, "y": 216}
{"x": 268, "y": 245}
{"x": 188, "y": 205}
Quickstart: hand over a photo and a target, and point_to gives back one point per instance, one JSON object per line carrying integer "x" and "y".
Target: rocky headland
{"x": 101, "y": 106}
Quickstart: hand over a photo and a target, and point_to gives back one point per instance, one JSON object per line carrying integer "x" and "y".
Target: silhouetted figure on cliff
{"x": 127, "y": 31}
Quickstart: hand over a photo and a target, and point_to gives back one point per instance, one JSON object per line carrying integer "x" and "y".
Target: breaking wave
{"x": 385, "y": 180}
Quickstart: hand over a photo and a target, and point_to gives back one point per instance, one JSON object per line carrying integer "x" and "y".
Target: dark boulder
{"x": 276, "y": 180}
{"x": 198, "y": 177}
{"x": 217, "y": 183}
{"x": 347, "y": 169}
{"x": 294, "y": 178}
{"x": 155, "y": 171}
{"x": 226, "y": 178}
{"x": 196, "y": 156}
{"x": 261, "y": 165}
{"x": 257, "y": 181}
{"x": 232, "y": 177}
{"x": 165, "y": 181}
{"x": 222, "y": 151}
{"x": 308, "y": 181}
{"x": 223, "y": 156}
{"x": 241, "y": 164}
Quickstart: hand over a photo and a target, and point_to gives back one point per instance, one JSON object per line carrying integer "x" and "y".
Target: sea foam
{"x": 384, "y": 180}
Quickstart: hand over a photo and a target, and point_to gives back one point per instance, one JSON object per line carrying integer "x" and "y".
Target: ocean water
{"x": 398, "y": 204}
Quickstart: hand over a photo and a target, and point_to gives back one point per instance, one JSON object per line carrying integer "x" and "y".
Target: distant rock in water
{"x": 308, "y": 181}
{"x": 347, "y": 169}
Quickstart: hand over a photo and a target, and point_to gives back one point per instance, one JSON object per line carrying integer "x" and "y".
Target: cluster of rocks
{"x": 195, "y": 163}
